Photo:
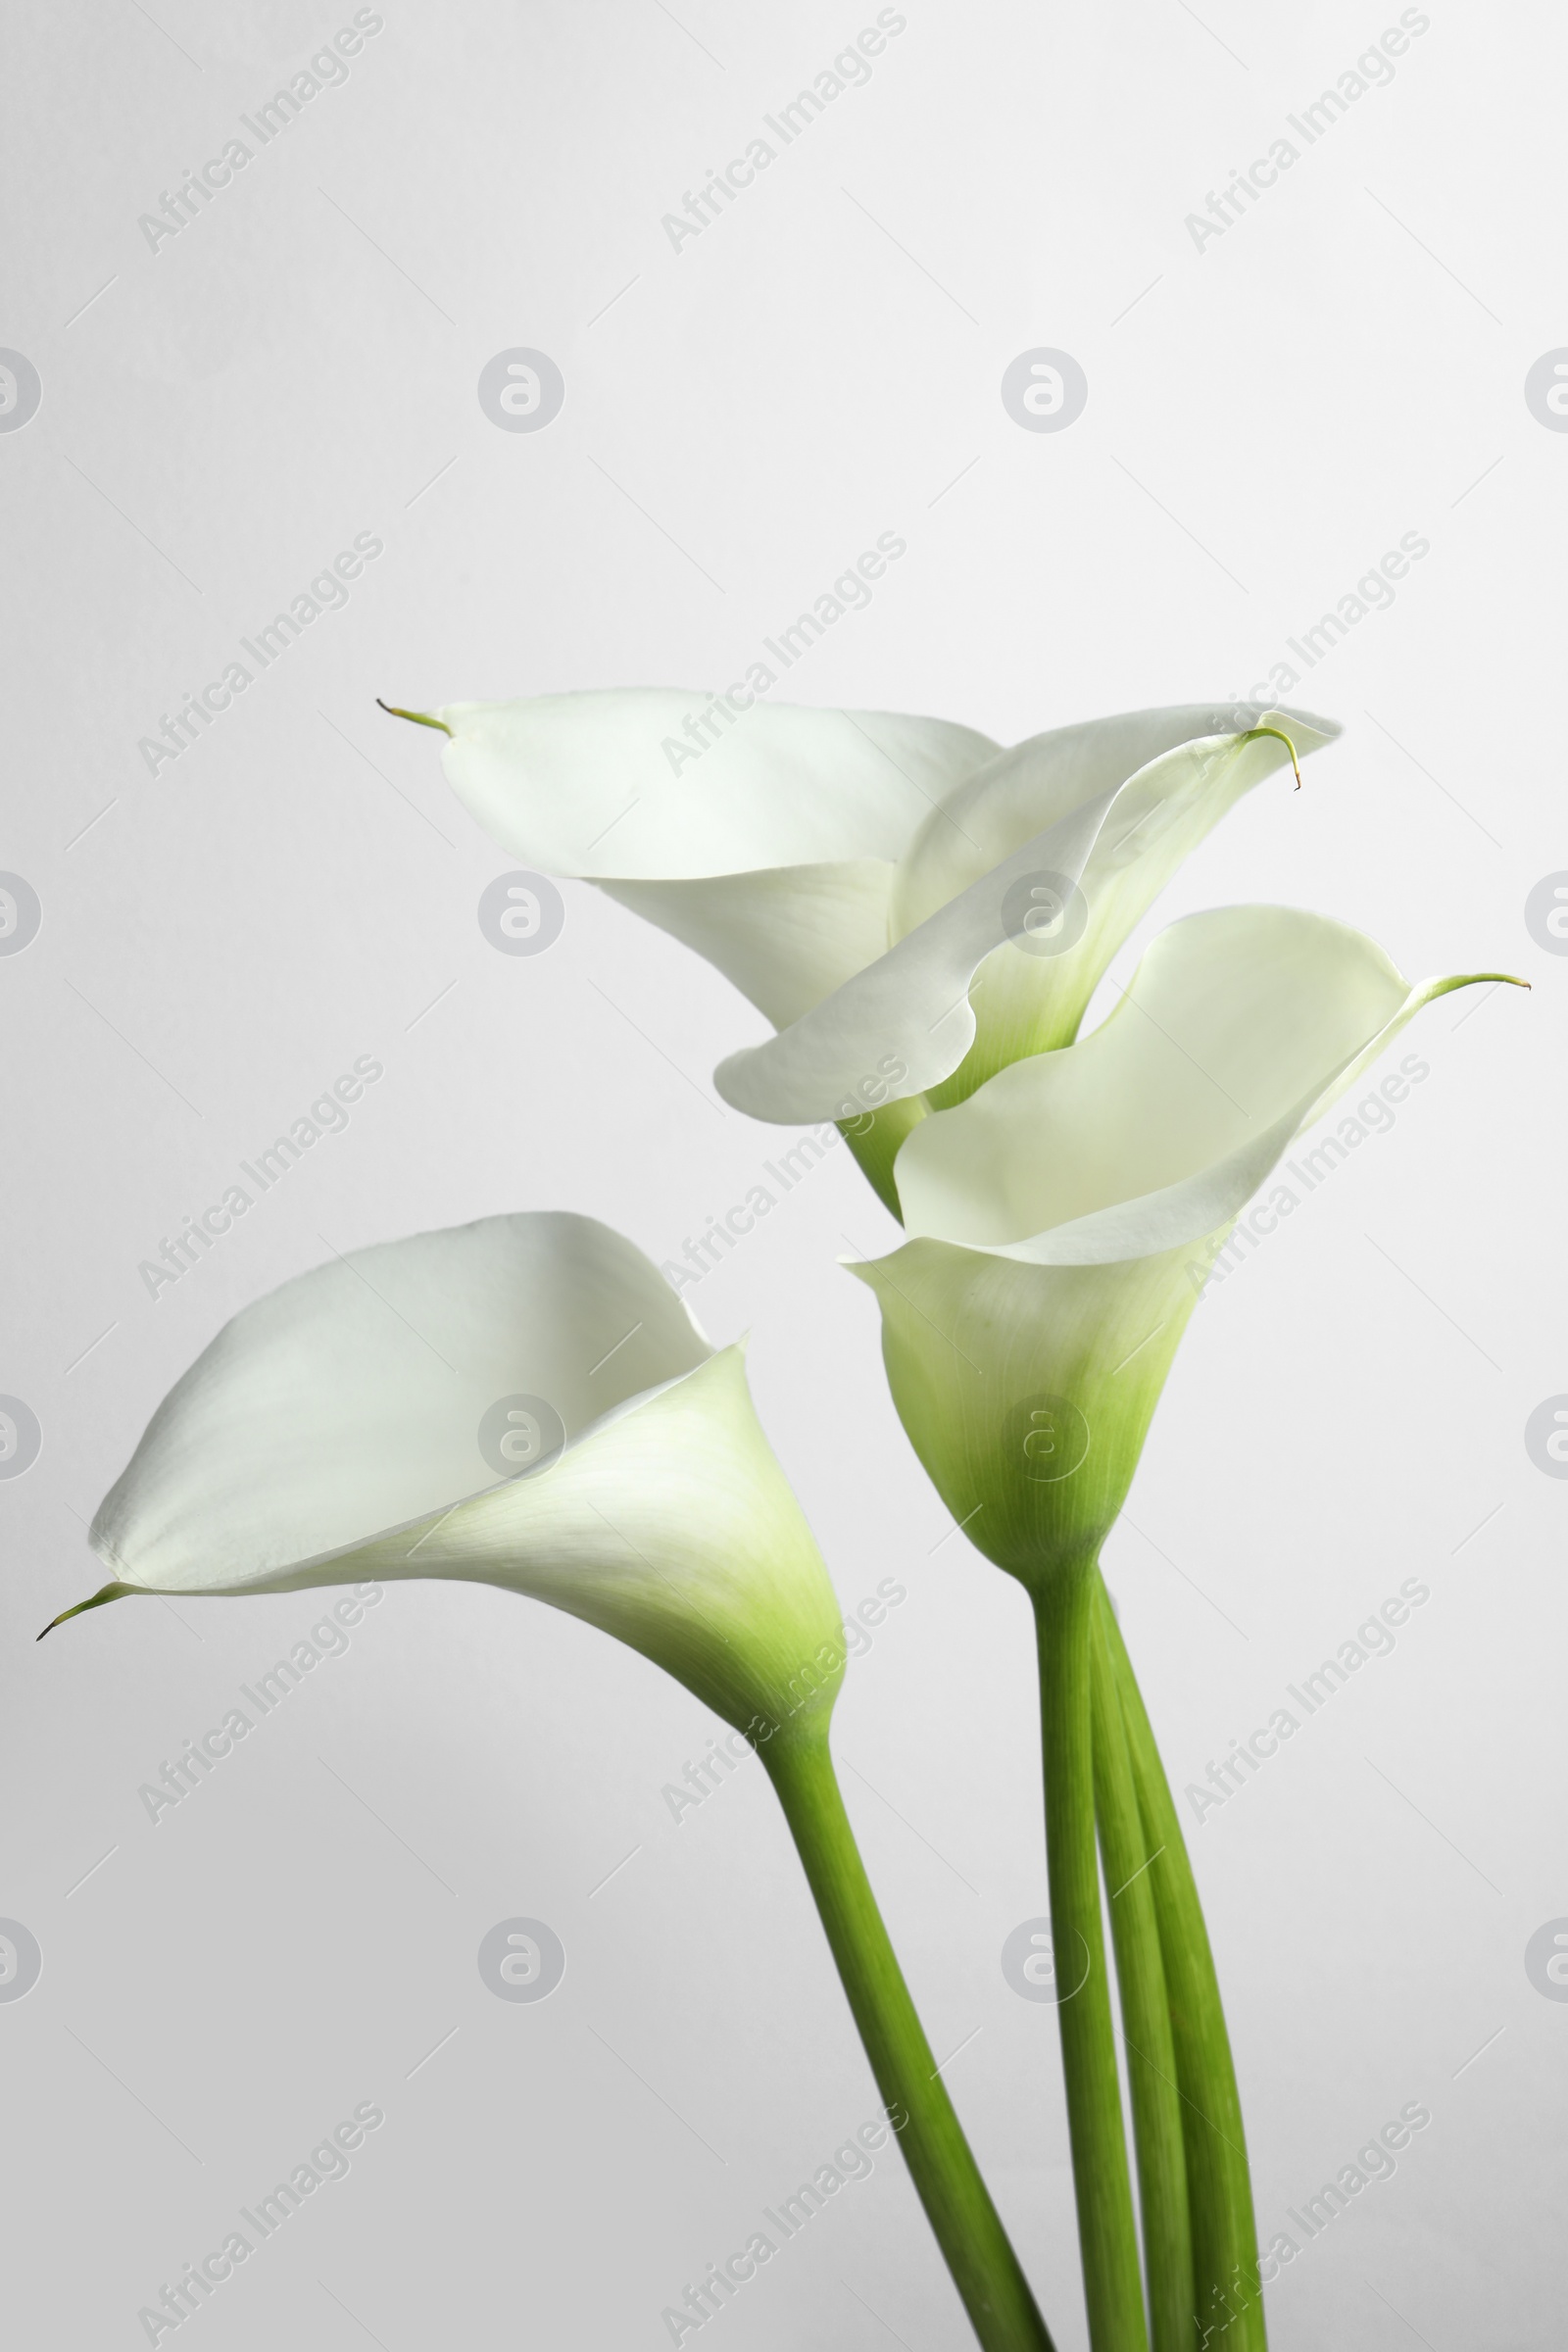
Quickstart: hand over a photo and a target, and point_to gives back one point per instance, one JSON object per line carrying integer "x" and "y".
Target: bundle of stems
{"x": 1102, "y": 1774}
{"x": 1114, "y": 1848}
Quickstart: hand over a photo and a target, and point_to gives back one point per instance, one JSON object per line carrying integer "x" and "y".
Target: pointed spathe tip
{"x": 1263, "y": 729}
{"x": 115, "y": 1592}
{"x": 418, "y": 719}
{"x": 1485, "y": 980}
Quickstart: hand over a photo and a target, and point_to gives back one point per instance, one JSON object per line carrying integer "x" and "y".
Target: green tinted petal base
{"x": 876, "y": 1140}
{"x": 1027, "y": 1391}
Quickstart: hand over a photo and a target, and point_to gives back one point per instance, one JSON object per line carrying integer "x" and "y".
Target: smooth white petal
{"x": 995, "y": 809}
{"x": 349, "y": 1402}
{"x": 672, "y": 1528}
{"x": 787, "y": 937}
{"x": 1028, "y": 1002}
{"x": 905, "y": 1022}
{"x": 970, "y": 968}
{"x": 582, "y": 783}
{"x": 1239, "y": 1028}
{"x": 331, "y": 1433}
{"x": 796, "y": 846}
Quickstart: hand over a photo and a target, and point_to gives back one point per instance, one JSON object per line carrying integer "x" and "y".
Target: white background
{"x": 1265, "y": 418}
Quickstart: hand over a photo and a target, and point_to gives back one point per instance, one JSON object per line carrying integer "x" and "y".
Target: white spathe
{"x": 583, "y": 784}
{"x": 851, "y": 872}
{"x": 1030, "y": 1321}
{"x": 771, "y": 853}
{"x": 355, "y": 1424}
{"x": 1240, "y": 1027}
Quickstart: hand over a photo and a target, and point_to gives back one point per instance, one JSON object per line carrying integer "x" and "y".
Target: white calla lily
{"x": 910, "y": 906}
{"x": 1057, "y": 1215}
{"x": 1010, "y": 901}
{"x": 522, "y": 1401}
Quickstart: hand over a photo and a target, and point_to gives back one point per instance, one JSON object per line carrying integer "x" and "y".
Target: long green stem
{"x": 968, "y": 2230}
{"x": 1131, "y": 1862}
{"x": 1218, "y": 2183}
{"x": 1113, "y": 2285}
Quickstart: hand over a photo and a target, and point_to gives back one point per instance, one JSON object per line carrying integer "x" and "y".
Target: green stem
{"x": 1131, "y": 1862}
{"x": 1218, "y": 2183}
{"x": 1113, "y": 2285}
{"x": 968, "y": 2230}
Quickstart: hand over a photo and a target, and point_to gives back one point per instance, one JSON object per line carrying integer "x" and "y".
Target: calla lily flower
{"x": 910, "y": 906}
{"x": 522, "y": 1401}
{"x": 1064, "y": 1217}
{"x": 1062, "y": 1221}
